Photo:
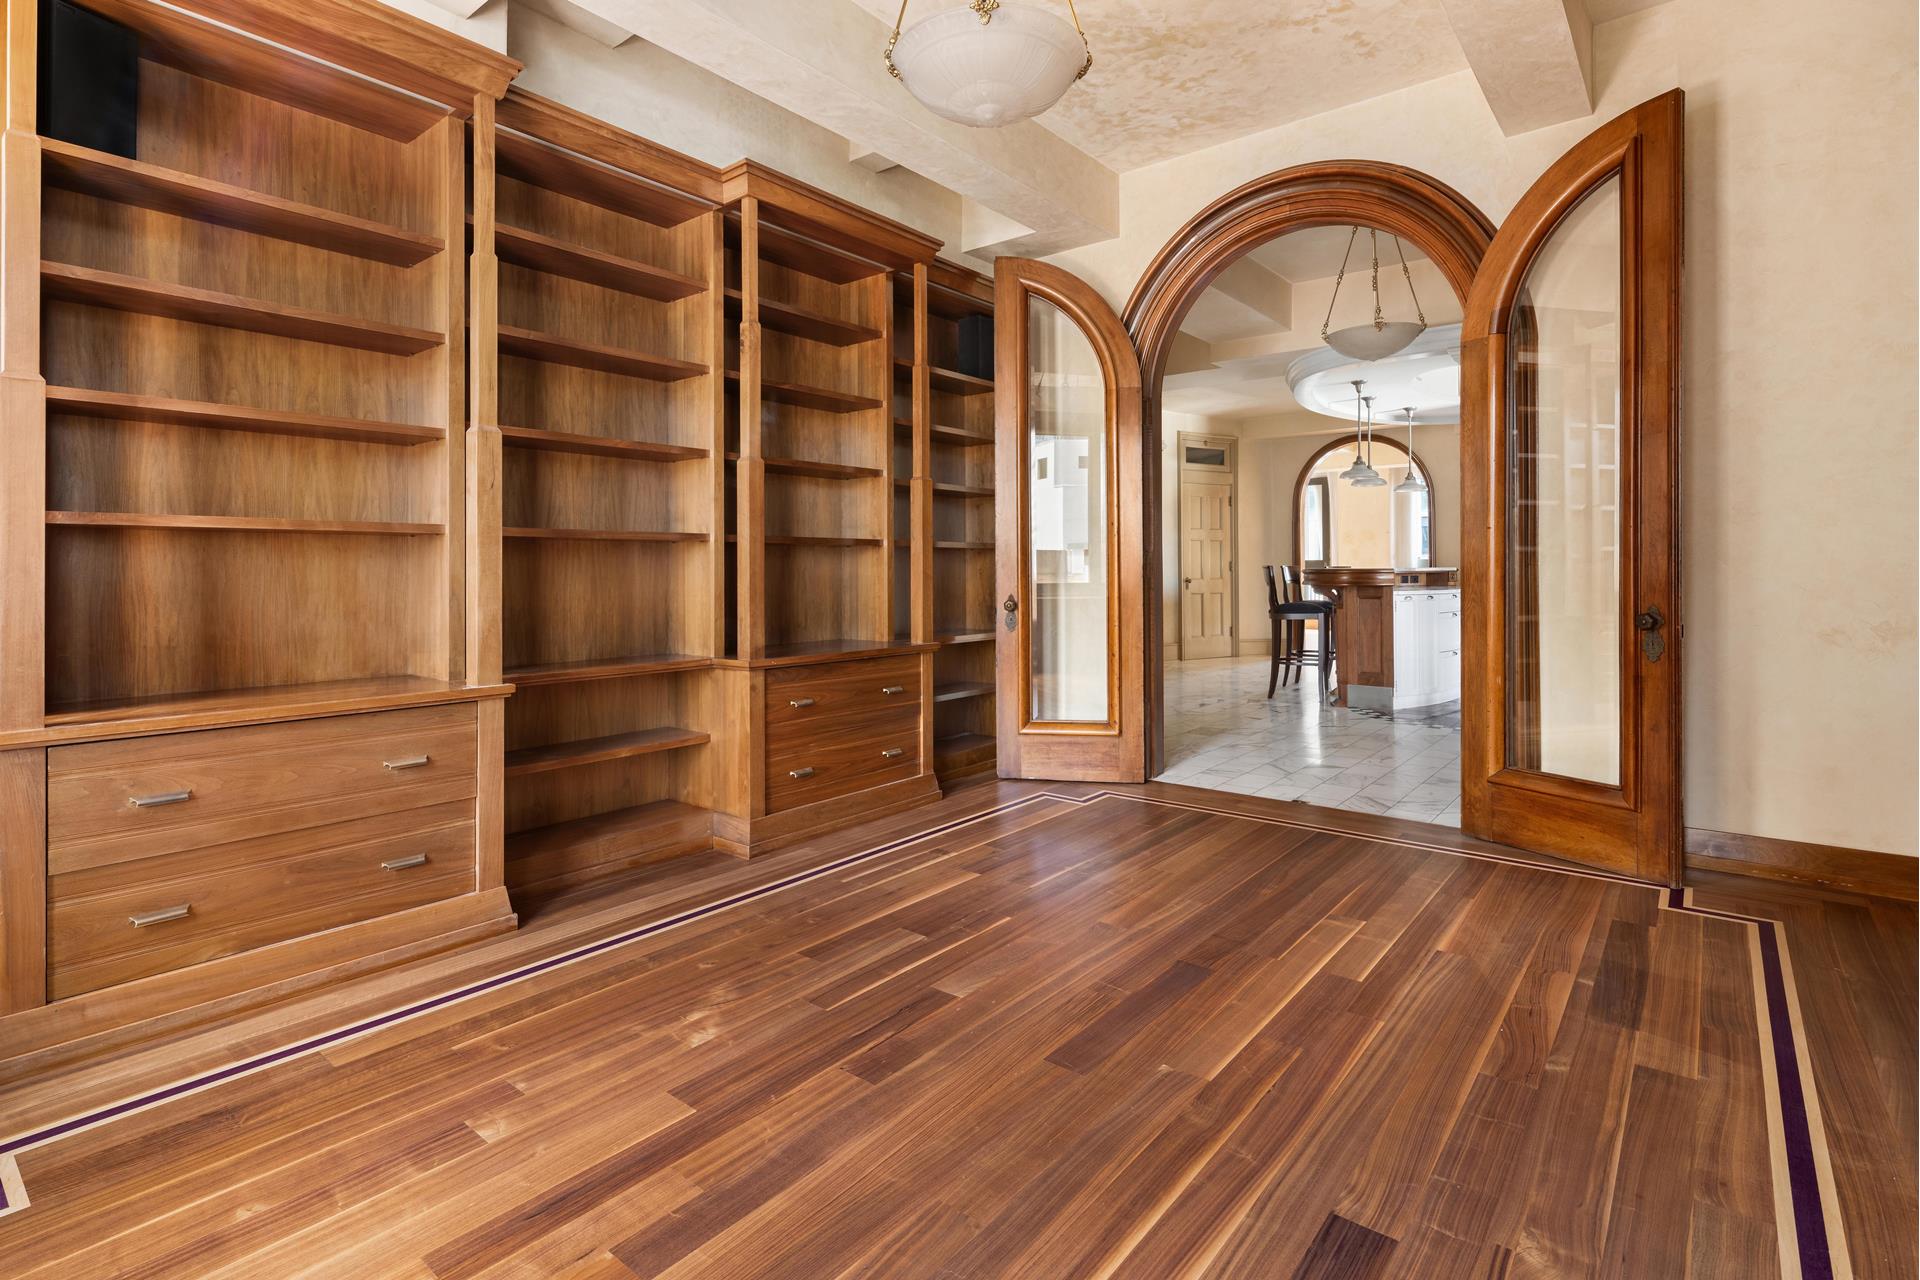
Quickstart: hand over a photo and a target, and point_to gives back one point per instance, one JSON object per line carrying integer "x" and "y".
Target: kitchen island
{"x": 1396, "y": 633}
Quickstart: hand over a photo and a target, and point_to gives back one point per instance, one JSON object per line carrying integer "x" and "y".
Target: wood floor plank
{"x": 1077, "y": 1039}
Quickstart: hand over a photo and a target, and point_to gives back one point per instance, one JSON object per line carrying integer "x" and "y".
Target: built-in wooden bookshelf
{"x": 952, "y": 423}
{"x": 610, "y": 363}
{"x": 234, "y": 387}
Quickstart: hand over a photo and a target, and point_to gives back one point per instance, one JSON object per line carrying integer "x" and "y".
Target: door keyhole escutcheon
{"x": 1652, "y": 643}
{"x": 1012, "y": 608}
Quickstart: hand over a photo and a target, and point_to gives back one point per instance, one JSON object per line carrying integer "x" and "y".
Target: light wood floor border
{"x": 1812, "y": 1242}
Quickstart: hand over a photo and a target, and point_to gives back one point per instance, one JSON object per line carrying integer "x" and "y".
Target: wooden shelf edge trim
{"x": 240, "y": 524}
{"x": 185, "y": 195}
{"x": 586, "y": 751}
{"x": 64, "y": 282}
{"x": 140, "y": 718}
{"x": 605, "y": 669}
{"x": 122, "y": 406}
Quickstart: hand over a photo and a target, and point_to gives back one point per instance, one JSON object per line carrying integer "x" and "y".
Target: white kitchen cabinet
{"x": 1426, "y": 646}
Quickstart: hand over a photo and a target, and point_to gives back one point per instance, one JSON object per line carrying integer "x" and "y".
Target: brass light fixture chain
{"x": 887, "y": 57}
{"x": 1379, "y": 316}
{"x": 1405, "y": 271}
{"x": 1088, "y": 64}
{"x": 1327, "y": 324}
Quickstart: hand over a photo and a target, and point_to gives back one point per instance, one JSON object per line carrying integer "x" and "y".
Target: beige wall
{"x": 1800, "y": 294}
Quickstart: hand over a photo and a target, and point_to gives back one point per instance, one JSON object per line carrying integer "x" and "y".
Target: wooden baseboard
{"x": 1885, "y": 875}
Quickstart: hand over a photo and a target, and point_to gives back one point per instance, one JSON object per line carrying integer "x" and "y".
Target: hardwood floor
{"x": 1070, "y": 1032}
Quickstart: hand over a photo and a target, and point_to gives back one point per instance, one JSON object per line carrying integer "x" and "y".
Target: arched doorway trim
{"x": 1431, "y": 215}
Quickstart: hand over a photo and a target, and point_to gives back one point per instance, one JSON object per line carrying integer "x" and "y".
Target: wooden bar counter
{"x": 1363, "y": 626}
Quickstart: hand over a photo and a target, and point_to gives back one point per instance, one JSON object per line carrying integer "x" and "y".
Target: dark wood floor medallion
{"x": 1118, "y": 1034}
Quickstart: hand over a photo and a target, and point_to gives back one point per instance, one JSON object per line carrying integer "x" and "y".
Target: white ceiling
{"x": 1170, "y": 78}
{"x": 1316, "y": 253}
{"x": 1229, "y": 371}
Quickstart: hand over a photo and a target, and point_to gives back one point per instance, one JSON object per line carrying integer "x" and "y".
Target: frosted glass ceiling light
{"x": 1383, "y": 337}
{"x": 1369, "y": 478}
{"x": 989, "y": 64}
{"x": 1413, "y": 483}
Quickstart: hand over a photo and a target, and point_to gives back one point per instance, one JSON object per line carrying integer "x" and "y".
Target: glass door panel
{"x": 1069, "y": 467}
{"x": 1563, "y": 604}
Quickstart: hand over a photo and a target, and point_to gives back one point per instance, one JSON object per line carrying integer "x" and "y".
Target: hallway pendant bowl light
{"x": 1414, "y": 483}
{"x": 1383, "y": 337}
{"x": 1361, "y": 474}
{"x": 989, "y": 64}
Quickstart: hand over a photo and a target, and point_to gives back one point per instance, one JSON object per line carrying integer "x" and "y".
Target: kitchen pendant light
{"x": 1383, "y": 337}
{"x": 1357, "y": 473}
{"x": 1414, "y": 483}
{"x": 1369, "y": 478}
{"x": 989, "y": 64}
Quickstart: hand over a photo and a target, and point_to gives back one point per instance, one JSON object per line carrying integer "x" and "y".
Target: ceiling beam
{"x": 1260, "y": 290}
{"x": 821, "y": 61}
{"x": 1533, "y": 58}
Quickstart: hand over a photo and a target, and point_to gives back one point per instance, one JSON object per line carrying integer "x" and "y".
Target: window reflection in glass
{"x": 1069, "y": 462}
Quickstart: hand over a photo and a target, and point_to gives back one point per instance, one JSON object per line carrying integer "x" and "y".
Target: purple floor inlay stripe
{"x": 1809, "y": 1225}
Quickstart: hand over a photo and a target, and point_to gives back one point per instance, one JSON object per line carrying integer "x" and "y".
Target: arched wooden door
{"x": 1570, "y": 488}
{"x": 1070, "y": 568}
{"x": 1570, "y": 468}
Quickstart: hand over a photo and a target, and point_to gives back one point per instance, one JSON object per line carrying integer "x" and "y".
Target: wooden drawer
{"x": 799, "y": 698}
{"x": 222, "y": 785}
{"x": 868, "y": 752}
{"x": 250, "y": 893}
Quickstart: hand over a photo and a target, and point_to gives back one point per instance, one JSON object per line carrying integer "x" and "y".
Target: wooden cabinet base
{"x": 102, "y": 1020}
{"x": 746, "y": 837}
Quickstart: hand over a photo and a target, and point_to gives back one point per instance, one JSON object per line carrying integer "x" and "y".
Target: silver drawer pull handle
{"x": 410, "y": 762}
{"x": 401, "y": 864}
{"x": 142, "y": 919}
{"x": 165, "y": 797}
{"x": 892, "y": 689}
{"x": 801, "y": 773}
{"x": 891, "y": 752}
{"x": 799, "y": 702}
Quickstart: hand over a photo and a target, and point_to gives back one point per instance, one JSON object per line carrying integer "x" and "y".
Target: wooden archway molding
{"x": 1390, "y": 197}
{"x": 1346, "y": 442}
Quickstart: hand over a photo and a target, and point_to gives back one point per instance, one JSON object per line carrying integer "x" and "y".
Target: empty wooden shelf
{"x": 606, "y": 668}
{"x": 554, "y": 349}
{"x": 604, "y": 535}
{"x": 240, "y": 524}
{"x": 816, "y": 470}
{"x": 964, "y": 636}
{"x": 62, "y": 282}
{"x": 184, "y": 195}
{"x": 601, "y": 446}
{"x": 952, "y": 381}
{"x": 618, "y": 746}
{"x": 801, "y": 322}
{"x": 961, "y": 749}
{"x": 121, "y": 406}
{"x": 823, "y": 398}
{"x": 267, "y": 703}
{"x": 963, "y": 690}
{"x": 593, "y": 845}
{"x": 531, "y": 249}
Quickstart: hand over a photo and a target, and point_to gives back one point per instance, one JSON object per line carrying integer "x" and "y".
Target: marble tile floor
{"x": 1224, "y": 734}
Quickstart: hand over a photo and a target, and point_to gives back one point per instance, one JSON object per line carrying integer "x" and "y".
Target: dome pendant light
{"x": 989, "y": 64}
{"x": 1357, "y": 473}
{"x": 1414, "y": 483}
{"x": 1383, "y": 337}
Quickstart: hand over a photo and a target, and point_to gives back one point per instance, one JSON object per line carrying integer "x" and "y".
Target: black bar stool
{"x": 1287, "y": 617}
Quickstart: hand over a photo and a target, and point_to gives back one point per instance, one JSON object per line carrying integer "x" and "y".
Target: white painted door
{"x": 1206, "y": 569}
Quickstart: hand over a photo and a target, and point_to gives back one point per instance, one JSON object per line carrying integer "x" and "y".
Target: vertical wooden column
{"x": 444, "y": 150}
{"x": 877, "y": 359}
{"x": 922, "y": 488}
{"x": 714, "y": 604}
{"x": 482, "y": 507}
{"x": 23, "y": 402}
{"x": 23, "y": 500}
{"x": 750, "y": 480}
